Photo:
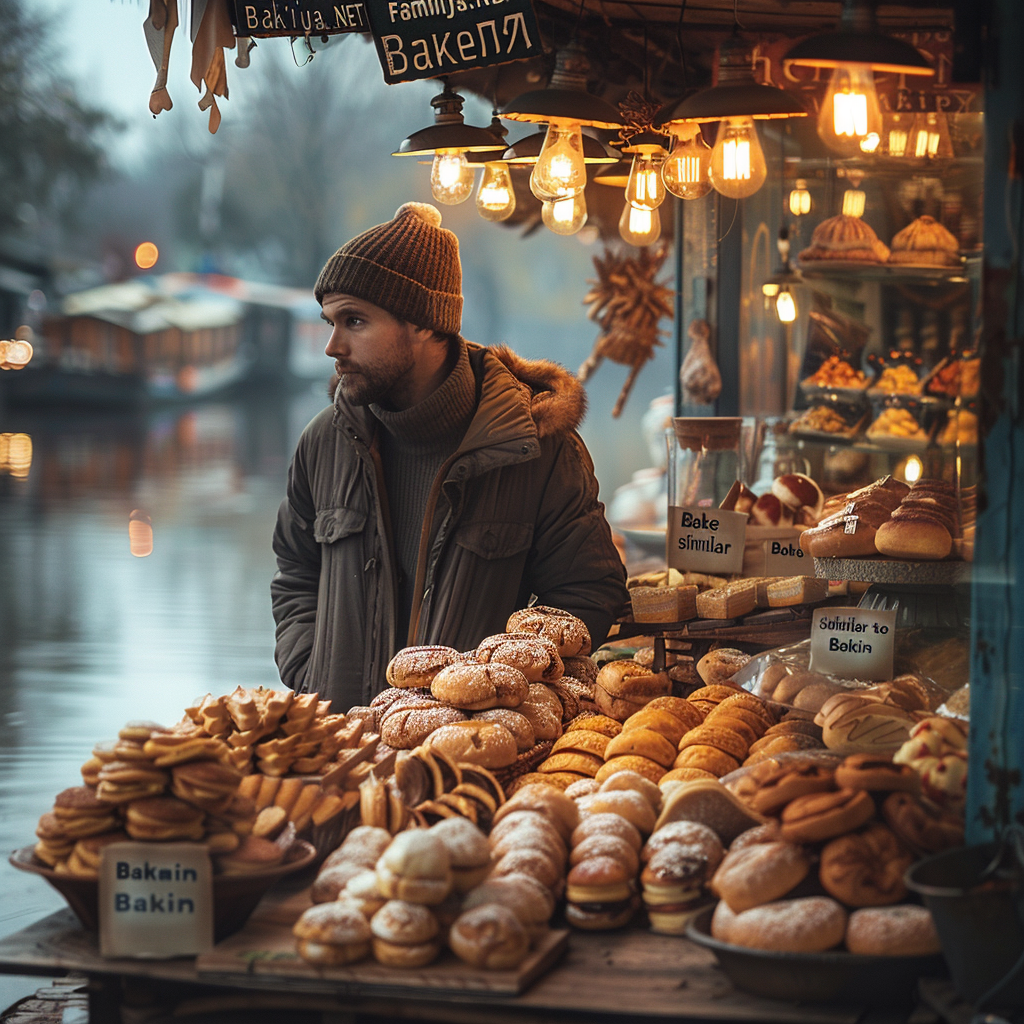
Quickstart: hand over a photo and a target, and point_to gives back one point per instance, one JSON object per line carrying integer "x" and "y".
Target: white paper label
{"x": 784, "y": 558}
{"x": 705, "y": 540}
{"x": 853, "y": 643}
{"x": 155, "y": 900}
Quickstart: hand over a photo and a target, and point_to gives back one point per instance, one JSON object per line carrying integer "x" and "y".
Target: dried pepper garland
{"x": 628, "y": 303}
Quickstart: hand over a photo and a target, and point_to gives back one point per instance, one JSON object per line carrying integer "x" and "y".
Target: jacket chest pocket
{"x": 334, "y": 524}
{"x": 494, "y": 540}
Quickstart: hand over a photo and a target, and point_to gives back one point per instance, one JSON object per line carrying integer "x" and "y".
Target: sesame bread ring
{"x": 478, "y": 687}
{"x": 569, "y": 633}
{"x": 417, "y": 666}
{"x": 535, "y": 656}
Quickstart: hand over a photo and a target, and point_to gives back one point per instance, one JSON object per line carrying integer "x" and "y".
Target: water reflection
{"x": 90, "y": 636}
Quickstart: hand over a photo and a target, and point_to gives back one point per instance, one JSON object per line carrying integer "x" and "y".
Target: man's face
{"x": 372, "y": 351}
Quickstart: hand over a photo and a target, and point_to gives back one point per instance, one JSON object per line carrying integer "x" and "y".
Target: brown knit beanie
{"x": 408, "y": 266}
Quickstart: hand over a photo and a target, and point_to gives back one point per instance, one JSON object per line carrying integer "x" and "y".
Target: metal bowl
{"x": 817, "y": 977}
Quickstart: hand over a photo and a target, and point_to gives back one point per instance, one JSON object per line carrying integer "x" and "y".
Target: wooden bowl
{"x": 234, "y": 896}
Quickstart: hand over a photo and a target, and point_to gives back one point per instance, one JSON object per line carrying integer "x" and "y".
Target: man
{"x": 445, "y": 488}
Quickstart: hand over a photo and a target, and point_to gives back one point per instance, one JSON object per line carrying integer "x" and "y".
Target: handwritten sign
{"x": 265, "y": 18}
{"x": 155, "y": 900}
{"x": 432, "y": 38}
{"x": 784, "y": 558}
{"x": 705, "y": 539}
{"x": 853, "y": 643}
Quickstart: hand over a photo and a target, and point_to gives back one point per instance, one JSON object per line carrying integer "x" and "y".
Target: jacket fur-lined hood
{"x": 559, "y": 401}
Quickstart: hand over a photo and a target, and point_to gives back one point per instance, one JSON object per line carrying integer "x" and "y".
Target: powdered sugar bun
{"x": 569, "y": 633}
{"x": 535, "y": 656}
{"x": 903, "y": 930}
{"x": 810, "y": 924}
{"x": 417, "y": 666}
{"x": 478, "y": 687}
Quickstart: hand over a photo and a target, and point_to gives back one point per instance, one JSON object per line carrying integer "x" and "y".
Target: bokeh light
{"x": 146, "y": 255}
{"x": 140, "y": 533}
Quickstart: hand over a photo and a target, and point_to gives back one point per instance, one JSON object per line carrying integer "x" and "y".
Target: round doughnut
{"x": 417, "y": 666}
{"x": 535, "y": 656}
{"x": 532, "y": 861}
{"x": 489, "y": 936}
{"x": 904, "y": 930}
{"x": 478, "y": 687}
{"x": 865, "y": 869}
{"x": 629, "y": 779}
{"x": 569, "y": 633}
{"x": 759, "y": 874}
{"x": 810, "y": 924}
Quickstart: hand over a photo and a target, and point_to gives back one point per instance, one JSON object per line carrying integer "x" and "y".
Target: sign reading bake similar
{"x": 433, "y": 38}
{"x": 853, "y": 643}
{"x": 701, "y": 539}
{"x": 155, "y": 900}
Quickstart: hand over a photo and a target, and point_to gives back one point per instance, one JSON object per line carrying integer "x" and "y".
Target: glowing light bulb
{"x": 559, "y": 172}
{"x": 853, "y": 203}
{"x": 785, "y": 305}
{"x": 912, "y": 469}
{"x": 451, "y": 177}
{"x": 639, "y": 225}
{"x": 645, "y": 187}
{"x": 930, "y": 137}
{"x": 738, "y": 169}
{"x": 495, "y": 197}
{"x": 18, "y": 460}
{"x": 898, "y": 136}
{"x": 685, "y": 170}
{"x": 800, "y": 199}
{"x": 850, "y": 121}
{"x": 564, "y": 216}
{"x": 140, "y": 534}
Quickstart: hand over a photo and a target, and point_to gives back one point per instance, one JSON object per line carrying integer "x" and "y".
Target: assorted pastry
{"x": 823, "y": 419}
{"x": 897, "y": 379}
{"x": 845, "y": 238}
{"x": 836, "y": 372}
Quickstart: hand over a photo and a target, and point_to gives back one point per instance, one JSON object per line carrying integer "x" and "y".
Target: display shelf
{"x": 892, "y": 570}
{"x": 894, "y": 273}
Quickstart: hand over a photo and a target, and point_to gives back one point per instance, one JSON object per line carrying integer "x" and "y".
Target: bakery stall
{"x": 755, "y": 802}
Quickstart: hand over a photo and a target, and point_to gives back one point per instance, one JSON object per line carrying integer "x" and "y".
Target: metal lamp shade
{"x": 879, "y": 52}
{"x": 527, "y": 150}
{"x": 542, "y": 106}
{"x": 740, "y": 99}
{"x": 465, "y": 137}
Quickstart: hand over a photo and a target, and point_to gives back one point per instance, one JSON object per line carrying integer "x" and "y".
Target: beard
{"x": 373, "y": 384}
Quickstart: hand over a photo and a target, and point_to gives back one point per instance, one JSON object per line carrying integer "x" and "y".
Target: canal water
{"x": 92, "y": 636}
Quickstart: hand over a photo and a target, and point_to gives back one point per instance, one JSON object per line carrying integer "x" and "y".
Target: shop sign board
{"x": 264, "y": 18}
{"x": 155, "y": 900}
{"x": 433, "y": 38}
{"x": 853, "y": 643}
{"x": 702, "y": 539}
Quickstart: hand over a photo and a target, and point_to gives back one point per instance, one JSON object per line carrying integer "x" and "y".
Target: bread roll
{"x": 475, "y": 687}
{"x": 624, "y": 687}
{"x": 517, "y": 724}
{"x": 919, "y": 537}
{"x": 417, "y": 666}
{"x": 479, "y": 743}
{"x": 489, "y": 936}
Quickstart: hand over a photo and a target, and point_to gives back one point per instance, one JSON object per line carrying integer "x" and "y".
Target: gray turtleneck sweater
{"x": 414, "y": 443}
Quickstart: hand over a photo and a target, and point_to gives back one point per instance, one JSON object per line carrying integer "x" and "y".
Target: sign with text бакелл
{"x": 433, "y": 38}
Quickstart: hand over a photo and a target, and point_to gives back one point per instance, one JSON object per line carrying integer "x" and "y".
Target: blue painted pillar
{"x": 995, "y": 793}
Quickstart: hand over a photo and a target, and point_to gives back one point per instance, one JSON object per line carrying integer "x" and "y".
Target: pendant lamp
{"x": 448, "y": 140}
{"x": 738, "y": 167}
{"x": 566, "y": 107}
{"x": 850, "y": 121}
{"x": 778, "y": 289}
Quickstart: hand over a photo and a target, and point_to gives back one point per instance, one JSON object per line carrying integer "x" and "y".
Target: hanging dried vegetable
{"x": 628, "y": 304}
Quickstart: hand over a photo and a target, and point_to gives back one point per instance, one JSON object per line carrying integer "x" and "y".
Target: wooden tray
{"x": 267, "y": 949}
{"x": 893, "y": 570}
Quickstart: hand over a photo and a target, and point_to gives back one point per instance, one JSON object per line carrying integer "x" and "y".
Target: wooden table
{"x": 631, "y": 974}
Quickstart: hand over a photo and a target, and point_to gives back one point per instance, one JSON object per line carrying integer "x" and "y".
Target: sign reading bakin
{"x": 433, "y": 38}
{"x": 155, "y": 900}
